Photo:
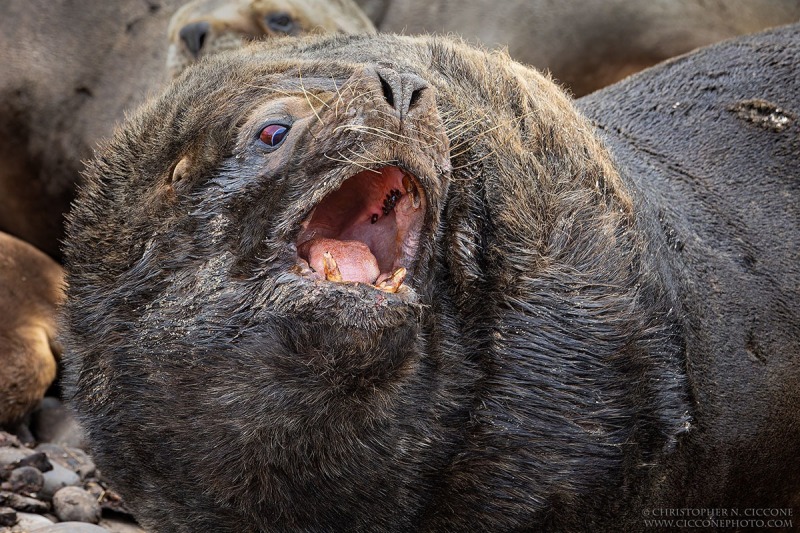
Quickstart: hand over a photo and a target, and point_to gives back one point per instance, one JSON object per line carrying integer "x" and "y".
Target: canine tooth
{"x": 415, "y": 198}
{"x": 393, "y": 283}
{"x": 331, "y": 268}
{"x": 398, "y": 276}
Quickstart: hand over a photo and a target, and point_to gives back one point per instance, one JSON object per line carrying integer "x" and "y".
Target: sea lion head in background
{"x": 205, "y": 27}
{"x": 366, "y": 283}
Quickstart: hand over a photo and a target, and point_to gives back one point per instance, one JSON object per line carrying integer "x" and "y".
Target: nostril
{"x": 387, "y": 91}
{"x": 194, "y": 36}
{"x": 415, "y": 95}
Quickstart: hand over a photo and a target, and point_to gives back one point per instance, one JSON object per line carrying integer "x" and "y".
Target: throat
{"x": 367, "y": 231}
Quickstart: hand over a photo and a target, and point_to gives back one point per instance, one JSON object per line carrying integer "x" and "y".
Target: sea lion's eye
{"x": 280, "y": 22}
{"x": 273, "y": 134}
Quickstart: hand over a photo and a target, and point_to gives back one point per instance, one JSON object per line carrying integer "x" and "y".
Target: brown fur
{"x": 31, "y": 287}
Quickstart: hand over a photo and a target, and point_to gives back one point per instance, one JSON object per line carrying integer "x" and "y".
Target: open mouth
{"x": 367, "y": 231}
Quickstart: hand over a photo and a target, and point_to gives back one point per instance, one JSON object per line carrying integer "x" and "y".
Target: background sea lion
{"x": 586, "y": 45}
{"x": 205, "y": 27}
{"x": 31, "y": 286}
{"x": 68, "y": 76}
{"x": 561, "y": 349}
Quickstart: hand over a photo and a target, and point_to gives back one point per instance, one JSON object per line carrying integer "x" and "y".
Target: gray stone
{"x": 74, "y": 459}
{"x": 70, "y": 527}
{"x": 58, "y": 478}
{"x": 23, "y": 503}
{"x": 7, "y": 439}
{"x": 37, "y": 460}
{"x": 26, "y": 480}
{"x": 11, "y": 456}
{"x": 27, "y": 522}
{"x": 8, "y": 517}
{"x": 76, "y": 505}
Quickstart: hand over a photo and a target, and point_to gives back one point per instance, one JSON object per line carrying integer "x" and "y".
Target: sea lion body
{"x": 721, "y": 129}
{"x": 586, "y": 45}
{"x": 546, "y": 357}
{"x": 31, "y": 287}
{"x": 68, "y": 76}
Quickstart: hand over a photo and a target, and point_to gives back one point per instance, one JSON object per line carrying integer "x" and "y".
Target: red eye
{"x": 273, "y": 134}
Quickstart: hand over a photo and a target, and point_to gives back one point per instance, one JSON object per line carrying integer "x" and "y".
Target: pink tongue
{"x": 354, "y": 258}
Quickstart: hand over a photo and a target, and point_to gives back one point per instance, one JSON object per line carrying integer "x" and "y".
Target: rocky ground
{"x": 49, "y": 484}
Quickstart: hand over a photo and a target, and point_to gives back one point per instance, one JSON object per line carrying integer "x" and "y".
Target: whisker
{"x": 374, "y": 160}
{"x": 346, "y": 160}
{"x": 305, "y": 93}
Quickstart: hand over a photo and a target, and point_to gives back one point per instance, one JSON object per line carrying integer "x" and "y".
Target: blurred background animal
{"x": 585, "y": 44}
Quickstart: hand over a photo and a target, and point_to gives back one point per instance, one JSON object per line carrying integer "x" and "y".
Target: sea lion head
{"x": 205, "y": 27}
{"x": 323, "y": 285}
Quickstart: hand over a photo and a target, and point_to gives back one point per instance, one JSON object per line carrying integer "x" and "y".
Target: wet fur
{"x": 539, "y": 379}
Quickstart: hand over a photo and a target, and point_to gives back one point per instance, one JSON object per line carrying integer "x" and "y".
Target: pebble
{"x": 11, "y": 456}
{"x": 70, "y": 527}
{"x": 74, "y": 459}
{"x": 27, "y": 522}
{"x": 38, "y": 460}
{"x": 58, "y": 478}
{"x": 8, "y": 516}
{"x": 7, "y": 439}
{"x": 73, "y": 504}
{"x": 42, "y": 486}
{"x": 23, "y": 503}
{"x": 26, "y": 480}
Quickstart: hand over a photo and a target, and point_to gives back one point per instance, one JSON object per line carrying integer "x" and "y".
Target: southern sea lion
{"x": 378, "y": 283}
{"x": 31, "y": 287}
{"x": 586, "y": 45}
{"x": 204, "y": 27}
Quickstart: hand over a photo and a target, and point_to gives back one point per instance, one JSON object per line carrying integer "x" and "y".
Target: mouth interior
{"x": 367, "y": 230}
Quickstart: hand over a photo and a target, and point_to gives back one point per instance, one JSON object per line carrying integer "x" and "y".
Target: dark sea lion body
{"x": 584, "y": 44}
{"x": 717, "y": 161}
{"x": 566, "y": 352}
